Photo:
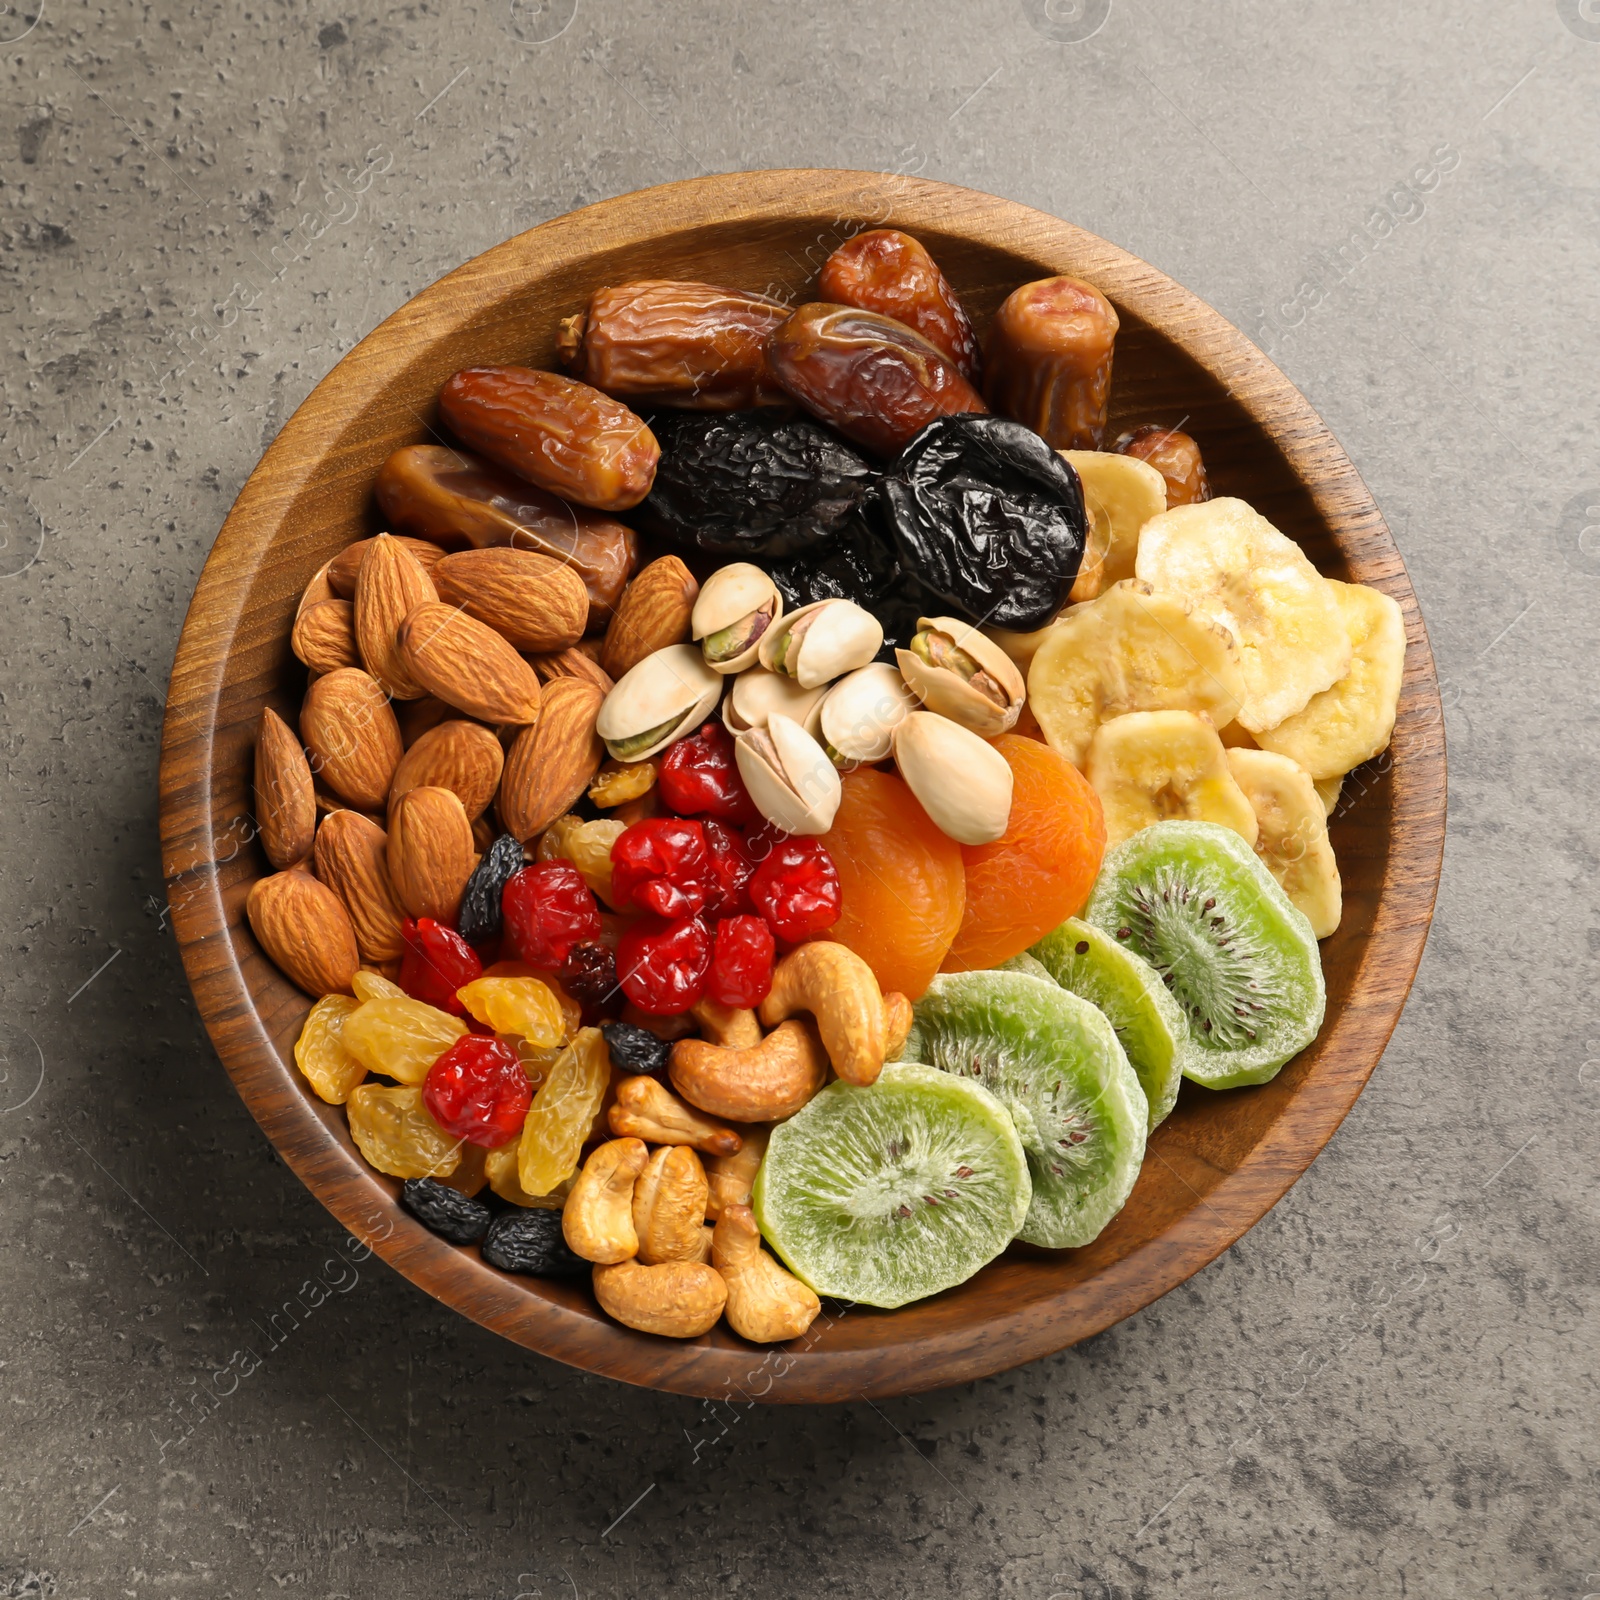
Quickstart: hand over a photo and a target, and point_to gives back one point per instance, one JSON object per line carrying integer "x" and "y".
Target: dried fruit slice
{"x": 1292, "y": 836}
{"x": 320, "y": 1051}
{"x": 1328, "y": 793}
{"x": 400, "y": 1038}
{"x": 392, "y": 1129}
{"x": 524, "y": 1006}
{"x": 562, "y": 1113}
{"x": 1121, "y": 494}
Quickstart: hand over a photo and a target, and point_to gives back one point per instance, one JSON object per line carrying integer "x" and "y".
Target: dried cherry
{"x": 661, "y": 865}
{"x": 437, "y": 962}
{"x": 634, "y": 1049}
{"x": 663, "y": 965}
{"x": 477, "y": 1091}
{"x": 479, "y": 916}
{"x": 796, "y": 888}
{"x": 731, "y": 866}
{"x": 699, "y": 776}
{"x": 548, "y": 908}
{"x": 741, "y": 962}
{"x": 445, "y": 1210}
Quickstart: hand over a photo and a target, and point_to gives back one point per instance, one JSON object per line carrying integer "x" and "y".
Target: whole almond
{"x": 430, "y": 853}
{"x": 345, "y": 567}
{"x": 352, "y": 735}
{"x": 389, "y": 587}
{"x": 464, "y": 757}
{"x": 550, "y": 764}
{"x": 324, "y": 636}
{"x": 653, "y": 613}
{"x": 352, "y": 859}
{"x": 532, "y": 600}
{"x": 318, "y": 589}
{"x": 574, "y": 663}
{"x": 468, "y": 665}
{"x": 417, "y": 716}
{"x": 303, "y": 926}
{"x": 286, "y": 801}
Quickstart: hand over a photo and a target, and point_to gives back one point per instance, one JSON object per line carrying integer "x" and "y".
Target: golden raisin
{"x": 587, "y": 845}
{"x": 562, "y": 1113}
{"x": 400, "y": 1038}
{"x": 392, "y": 1129}
{"x": 523, "y": 1006}
{"x": 618, "y": 782}
{"x": 320, "y": 1051}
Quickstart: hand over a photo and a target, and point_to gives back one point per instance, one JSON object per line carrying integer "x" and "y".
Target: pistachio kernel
{"x": 940, "y": 650}
{"x": 727, "y": 643}
{"x": 627, "y": 749}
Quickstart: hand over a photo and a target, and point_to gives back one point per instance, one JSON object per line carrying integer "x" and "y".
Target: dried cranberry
{"x": 589, "y": 975}
{"x": 437, "y": 962}
{"x": 661, "y": 865}
{"x": 797, "y": 889}
{"x": 741, "y": 962}
{"x": 546, "y": 910}
{"x": 760, "y": 842}
{"x": 731, "y": 867}
{"x": 699, "y": 775}
{"x": 663, "y": 965}
{"x": 477, "y": 1091}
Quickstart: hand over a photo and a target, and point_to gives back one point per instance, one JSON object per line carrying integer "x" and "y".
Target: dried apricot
{"x": 562, "y": 1113}
{"x": 1040, "y": 871}
{"x": 522, "y": 1006}
{"x": 320, "y": 1051}
{"x": 393, "y": 1130}
{"x": 901, "y": 881}
{"x": 400, "y": 1038}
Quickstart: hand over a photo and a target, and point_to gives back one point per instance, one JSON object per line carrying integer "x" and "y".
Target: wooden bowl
{"x": 1216, "y": 1164}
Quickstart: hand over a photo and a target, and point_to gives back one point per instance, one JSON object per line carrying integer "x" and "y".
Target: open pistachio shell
{"x": 963, "y": 783}
{"x": 954, "y": 670}
{"x": 821, "y": 642}
{"x": 793, "y": 783}
{"x": 860, "y": 713}
{"x": 757, "y": 693}
{"x": 736, "y": 607}
{"x": 667, "y": 695}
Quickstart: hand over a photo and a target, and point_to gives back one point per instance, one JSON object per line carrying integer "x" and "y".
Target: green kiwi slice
{"x": 1054, "y": 1062}
{"x": 888, "y": 1194}
{"x": 1148, "y": 1023}
{"x": 1194, "y": 900}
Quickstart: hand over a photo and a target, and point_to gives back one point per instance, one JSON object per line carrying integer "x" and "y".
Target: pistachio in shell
{"x": 757, "y": 693}
{"x": 821, "y": 642}
{"x": 793, "y": 783}
{"x": 736, "y": 606}
{"x": 954, "y": 670}
{"x": 964, "y": 784}
{"x": 860, "y": 713}
{"x": 667, "y": 695}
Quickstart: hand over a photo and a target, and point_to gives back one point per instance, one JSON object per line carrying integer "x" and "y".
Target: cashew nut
{"x": 730, "y": 1178}
{"x": 838, "y": 988}
{"x": 597, "y": 1220}
{"x": 896, "y": 1024}
{"x": 738, "y": 1030}
{"x": 679, "y": 1299}
{"x": 765, "y": 1303}
{"x": 769, "y": 1081}
{"x": 669, "y": 1205}
{"x": 645, "y": 1110}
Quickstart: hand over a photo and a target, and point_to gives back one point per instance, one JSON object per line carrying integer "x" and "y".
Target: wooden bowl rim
{"x": 544, "y": 1318}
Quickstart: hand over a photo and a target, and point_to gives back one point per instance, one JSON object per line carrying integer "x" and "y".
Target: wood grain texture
{"x": 1219, "y": 1161}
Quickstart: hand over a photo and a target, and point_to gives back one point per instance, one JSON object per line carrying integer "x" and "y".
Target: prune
{"x": 874, "y": 379}
{"x": 479, "y": 918}
{"x": 448, "y": 495}
{"x": 990, "y": 517}
{"x": 636, "y": 1049}
{"x": 530, "y": 1242}
{"x": 669, "y": 343}
{"x": 1175, "y": 456}
{"x": 445, "y": 1211}
{"x": 560, "y": 434}
{"x": 1048, "y": 362}
{"x": 888, "y": 271}
{"x": 752, "y": 483}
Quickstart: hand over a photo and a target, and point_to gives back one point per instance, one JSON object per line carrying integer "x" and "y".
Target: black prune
{"x": 480, "y": 900}
{"x": 531, "y": 1242}
{"x": 636, "y": 1049}
{"x": 446, "y": 1211}
{"x": 751, "y": 483}
{"x": 987, "y": 515}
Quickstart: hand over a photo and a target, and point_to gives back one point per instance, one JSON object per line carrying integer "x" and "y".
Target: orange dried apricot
{"x": 900, "y": 878}
{"x": 1040, "y": 871}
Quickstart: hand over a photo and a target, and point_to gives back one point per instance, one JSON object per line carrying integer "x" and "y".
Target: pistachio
{"x": 793, "y": 783}
{"x": 860, "y": 713}
{"x": 964, "y": 784}
{"x": 954, "y": 670}
{"x": 756, "y": 694}
{"x": 736, "y": 607}
{"x": 667, "y": 695}
{"x": 821, "y": 641}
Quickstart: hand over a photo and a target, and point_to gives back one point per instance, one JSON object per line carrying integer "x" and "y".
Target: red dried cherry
{"x": 797, "y": 889}
{"x": 699, "y": 775}
{"x": 546, "y": 909}
{"x": 741, "y": 962}
{"x": 477, "y": 1091}
{"x": 437, "y": 962}
{"x": 663, "y": 965}
{"x": 731, "y": 867}
{"x": 661, "y": 865}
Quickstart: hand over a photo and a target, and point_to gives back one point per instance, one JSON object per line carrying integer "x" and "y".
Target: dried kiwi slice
{"x": 1194, "y": 901}
{"x": 891, "y": 1193}
{"x": 1148, "y": 1023}
{"x": 1053, "y": 1060}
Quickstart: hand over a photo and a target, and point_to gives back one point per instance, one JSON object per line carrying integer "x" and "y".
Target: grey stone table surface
{"x": 1387, "y": 1387}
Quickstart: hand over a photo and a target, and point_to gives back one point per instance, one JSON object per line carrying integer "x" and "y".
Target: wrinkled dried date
{"x": 562, "y": 435}
{"x": 669, "y": 343}
{"x": 874, "y": 379}
{"x": 1175, "y": 456}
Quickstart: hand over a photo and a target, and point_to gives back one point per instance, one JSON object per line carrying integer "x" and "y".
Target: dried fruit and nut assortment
{"x": 784, "y": 805}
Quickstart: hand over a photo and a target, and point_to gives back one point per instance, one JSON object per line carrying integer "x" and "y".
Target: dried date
{"x": 1175, "y": 456}
{"x": 874, "y": 379}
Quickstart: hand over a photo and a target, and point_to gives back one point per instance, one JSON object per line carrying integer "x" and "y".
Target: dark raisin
{"x": 589, "y": 975}
{"x": 447, "y": 1212}
{"x": 480, "y": 900}
{"x": 531, "y": 1242}
{"x": 636, "y": 1049}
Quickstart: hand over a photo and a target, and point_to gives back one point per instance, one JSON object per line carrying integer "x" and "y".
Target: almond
{"x": 550, "y": 764}
{"x": 574, "y": 663}
{"x": 468, "y": 665}
{"x": 353, "y": 737}
{"x": 653, "y": 613}
{"x": 345, "y": 567}
{"x": 389, "y": 587}
{"x": 417, "y": 716}
{"x": 464, "y": 757}
{"x": 303, "y": 926}
{"x": 535, "y": 602}
{"x": 430, "y": 853}
{"x": 286, "y": 802}
{"x": 324, "y": 636}
{"x": 352, "y": 859}
{"x": 317, "y": 590}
